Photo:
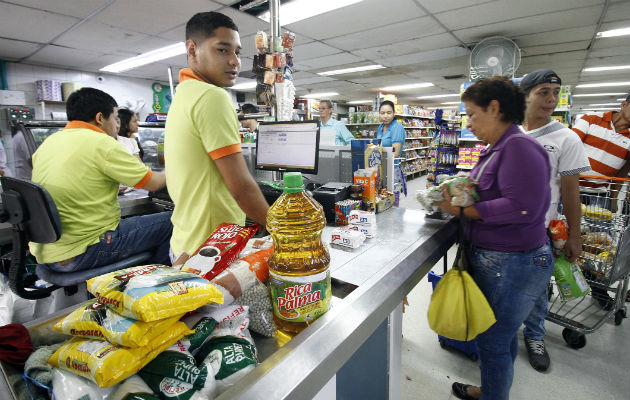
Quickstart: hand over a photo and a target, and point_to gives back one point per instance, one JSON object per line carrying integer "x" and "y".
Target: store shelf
{"x": 419, "y": 137}
{"x": 468, "y": 140}
{"x": 414, "y": 158}
{"x": 415, "y": 172}
{"x": 417, "y": 148}
{"x": 412, "y": 116}
{"x": 458, "y": 166}
{"x": 364, "y": 124}
{"x": 420, "y": 127}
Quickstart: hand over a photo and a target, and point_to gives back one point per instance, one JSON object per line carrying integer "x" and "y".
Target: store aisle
{"x": 598, "y": 371}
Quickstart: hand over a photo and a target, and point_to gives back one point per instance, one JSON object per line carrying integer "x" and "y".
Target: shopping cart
{"x": 605, "y": 260}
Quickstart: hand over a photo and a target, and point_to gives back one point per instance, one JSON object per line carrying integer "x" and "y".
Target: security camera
{"x": 100, "y": 79}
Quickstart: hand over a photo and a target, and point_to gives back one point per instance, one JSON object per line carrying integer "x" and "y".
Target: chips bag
{"x": 152, "y": 292}
{"x": 93, "y": 320}
{"x": 219, "y": 250}
{"x": 559, "y": 234}
{"x": 107, "y": 364}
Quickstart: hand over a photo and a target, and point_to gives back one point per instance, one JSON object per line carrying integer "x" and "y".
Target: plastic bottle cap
{"x": 293, "y": 182}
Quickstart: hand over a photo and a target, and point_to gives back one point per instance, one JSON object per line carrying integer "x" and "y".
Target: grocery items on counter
{"x": 152, "y": 292}
{"x": 347, "y": 237}
{"x": 364, "y": 222}
{"x": 460, "y": 187}
{"x": 344, "y": 207}
{"x": 299, "y": 275}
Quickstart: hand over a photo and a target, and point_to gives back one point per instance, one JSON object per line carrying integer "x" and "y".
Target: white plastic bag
{"x": 6, "y": 302}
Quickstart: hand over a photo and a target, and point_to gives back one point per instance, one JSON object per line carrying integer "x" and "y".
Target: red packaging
{"x": 269, "y": 61}
{"x": 219, "y": 250}
{"x": 559, "y": 233}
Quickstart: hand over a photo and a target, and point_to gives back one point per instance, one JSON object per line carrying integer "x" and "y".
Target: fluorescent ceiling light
{"x": 242, "y": 85}
{"x": 316, "y": 95}
{"x": 452, "y": 102}
{"x": 611, "y": 68}
{"x": 149, "y": 57}
{"x": 298, "y": 10}
{"x": 359, "y": 101}
{"x": 350, "y": 70}
{"x": 604, "y": 104}
{"x": 408, "y": 86}
{"x": 598, "y": 94}
{"x": 435, "y": 96}
{"x": 614, "y": 32}
{"x": 603, "y": 84}
{"x": 622, "y": 99}
{"x": 595, "y": 109}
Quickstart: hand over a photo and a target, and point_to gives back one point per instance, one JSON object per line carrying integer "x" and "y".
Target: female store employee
{"x": 391, "y": 132}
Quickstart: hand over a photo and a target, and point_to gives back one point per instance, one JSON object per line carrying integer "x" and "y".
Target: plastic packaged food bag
{"x": 460, "y": 187}
{"x": 93, "y": 320}
{"x": 68, "y": 386}
{"x": 569, "y": 278}
{"x": 133, "y": 388}
{"x": 559, "y": 234}
{"x": 174, "y": 375}
{"x": 107, "y": 364}
{"x": 219, "y": 250}
{"x": 152, "y": 292}
{"x": 258, "y": 299}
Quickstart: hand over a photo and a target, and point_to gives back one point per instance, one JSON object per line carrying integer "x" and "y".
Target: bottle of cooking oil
{"x": 300, "y": 279}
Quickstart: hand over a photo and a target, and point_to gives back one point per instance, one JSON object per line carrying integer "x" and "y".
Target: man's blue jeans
{"x": 132, "y": 236}
{"x": 512, "y": 283}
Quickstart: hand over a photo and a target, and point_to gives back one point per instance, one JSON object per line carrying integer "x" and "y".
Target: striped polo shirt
{"x": 607, "y": 150}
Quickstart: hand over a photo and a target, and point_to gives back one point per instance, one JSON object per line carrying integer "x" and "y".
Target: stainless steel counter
{"x": 377, "y": 276}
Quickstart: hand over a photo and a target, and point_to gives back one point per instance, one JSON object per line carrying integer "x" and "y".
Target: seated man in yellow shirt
{"x": 206, "y": 172}
{"x": 82, "y": 167}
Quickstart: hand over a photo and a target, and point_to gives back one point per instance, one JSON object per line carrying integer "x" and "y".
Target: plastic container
{"x": 300, "y": 279}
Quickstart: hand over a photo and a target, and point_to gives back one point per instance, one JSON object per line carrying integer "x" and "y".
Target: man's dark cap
{"x": 539, "y": 76}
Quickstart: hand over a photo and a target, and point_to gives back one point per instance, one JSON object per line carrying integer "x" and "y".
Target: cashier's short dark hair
{"x": 387, "y": 103}
{"x": 249, "y": 108}
{"x": 85, "y": 103}
{"x": 500, "y": 88}
{"x": 202, "y": 25}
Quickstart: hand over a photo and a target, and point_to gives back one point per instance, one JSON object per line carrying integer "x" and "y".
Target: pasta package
{"x": 107, "y": 364}
{"x": 153, "y": 292}
{"x": 94, "y": 320}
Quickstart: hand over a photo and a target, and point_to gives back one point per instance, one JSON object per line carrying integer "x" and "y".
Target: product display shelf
{"x": 418, "y": 137}
{"x": 468, "y": 140}
{"x": 465, "y": 167}
{"x": 365, "y": 124}
{"x": 444, "y": 152}
{"x": 413, "y": 116}
{"x": 419, "y": 127}
{"x": 415, "y": 173}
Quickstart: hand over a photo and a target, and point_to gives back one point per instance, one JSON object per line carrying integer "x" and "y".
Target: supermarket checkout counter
{"x": 353, "y": 351}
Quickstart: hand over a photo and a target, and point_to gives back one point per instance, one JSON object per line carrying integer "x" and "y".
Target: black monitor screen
{"x": 288, "y": 146}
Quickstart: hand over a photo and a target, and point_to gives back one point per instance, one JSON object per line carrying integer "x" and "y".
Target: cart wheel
{"x": 442, "y": 343}
{"x": 574, "y": 339}
{"x": 619, "y": 316}
{"x": 474, "y": 356}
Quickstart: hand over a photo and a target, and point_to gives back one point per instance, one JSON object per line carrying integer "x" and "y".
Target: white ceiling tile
{"x": 74, "y": 8}
{"x": 408, "y": 47}
{"x": 247, "y": 24}
{"x": 512, "y": 10}
{"x": 390, "y": 34}
{"x": 437, "y": 6}
{"x": 313, "y": 50}
{"x": 617, "y": 60}
{"x": 555, "y": 48}
{"x": 151, "y": 70}
{"x": 608, "y": 52}
{"x": 328, "y": 61}
{"x": 393, "y": 79}
{"x": 58, "y": 55}
{"x": 621, "y": 42}
{"x": 95, "y": 35}
{"x": 619, "y": 11}
{"x": 362, "y": 16}
{"x": 248, "y": 44}
{"x": 129, "y": 14}
{"x": 556, "y": 36}
{"x": 177, "y": 34}
{"x": 310, "y": 81}
{"x": 145, "y": 44}
{"x": 425, "y": 56}
{"x": 20, "y": 22}
{"x": 12, "y": 50}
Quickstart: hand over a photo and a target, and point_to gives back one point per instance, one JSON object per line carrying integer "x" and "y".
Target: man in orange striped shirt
{"x": 606, "y": 139}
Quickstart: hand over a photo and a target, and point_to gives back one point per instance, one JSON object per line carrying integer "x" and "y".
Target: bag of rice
{"x": 133, "y": 388}
{"x": 174, "y": 374}
{"x": 68, "y": 386}
{"x": 152, "y": 292}
{"x": 107, "y": 364}
{"x": 93, "y": 320}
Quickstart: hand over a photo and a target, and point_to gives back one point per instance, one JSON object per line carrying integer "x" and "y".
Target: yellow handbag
{"x": 458, "y": 309}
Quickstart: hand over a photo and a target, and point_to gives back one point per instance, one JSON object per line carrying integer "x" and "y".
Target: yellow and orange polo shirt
{"x": 202, "y": 126}
{"x": 82, "y": 167}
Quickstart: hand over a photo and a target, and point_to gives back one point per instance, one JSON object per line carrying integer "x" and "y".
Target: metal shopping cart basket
{"x": 605, "y": 260}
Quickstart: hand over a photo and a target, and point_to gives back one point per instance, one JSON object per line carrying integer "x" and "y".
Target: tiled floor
{"x": 600, "y": 370}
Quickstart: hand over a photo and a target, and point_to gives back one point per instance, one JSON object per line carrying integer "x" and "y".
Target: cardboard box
{"x": 367, "y": 179}
{"x": 384, "y": 203}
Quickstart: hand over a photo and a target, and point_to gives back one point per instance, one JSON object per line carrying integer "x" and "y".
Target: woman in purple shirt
{"x": 510, "y": 255}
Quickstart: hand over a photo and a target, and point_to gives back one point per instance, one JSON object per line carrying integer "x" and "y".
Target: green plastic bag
{"x": 569, "y": 278}
{"x": 458, "y": 309}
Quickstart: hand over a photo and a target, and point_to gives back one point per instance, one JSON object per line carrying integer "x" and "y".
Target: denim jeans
{"x": 535, "y": 322}
{"x": 132, "y": 236}
{"x": 512, "y": 282}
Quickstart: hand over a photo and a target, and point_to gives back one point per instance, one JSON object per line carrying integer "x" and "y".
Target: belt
{"x": 517, "y": 251}
{"x": 66, "y": 262}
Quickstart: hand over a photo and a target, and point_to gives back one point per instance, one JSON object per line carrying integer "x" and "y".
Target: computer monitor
{"x": 291, "y": 146}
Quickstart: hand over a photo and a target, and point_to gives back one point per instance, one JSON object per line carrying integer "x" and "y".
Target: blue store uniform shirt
{"x": 395, "y": 133}
{"x": 342, "y": 134}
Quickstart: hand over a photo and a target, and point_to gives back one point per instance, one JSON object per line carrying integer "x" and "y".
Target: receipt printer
{"x": 330, "y": 193}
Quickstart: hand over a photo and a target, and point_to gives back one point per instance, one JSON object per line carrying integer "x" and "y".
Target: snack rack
{"x": 605, "y": 260}
{"x": 444, "y": 152}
